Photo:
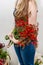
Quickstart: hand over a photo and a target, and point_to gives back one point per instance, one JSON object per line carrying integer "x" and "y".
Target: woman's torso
{"x": 27, "y": 19}
{"x": 32, "y": 12}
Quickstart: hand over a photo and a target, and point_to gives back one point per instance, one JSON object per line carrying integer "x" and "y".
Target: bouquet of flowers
{"x": 38, "y": 59}
{"x": 3, "y": 55}
{"x": 25, "y": 31}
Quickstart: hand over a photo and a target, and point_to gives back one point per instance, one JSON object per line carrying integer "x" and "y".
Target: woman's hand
{"x": 11, "y": 37}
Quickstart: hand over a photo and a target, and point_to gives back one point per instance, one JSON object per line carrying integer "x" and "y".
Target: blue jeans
{"x": 26, "y": 55}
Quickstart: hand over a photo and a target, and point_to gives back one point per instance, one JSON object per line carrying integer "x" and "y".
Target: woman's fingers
{"x": 11, "y": 35}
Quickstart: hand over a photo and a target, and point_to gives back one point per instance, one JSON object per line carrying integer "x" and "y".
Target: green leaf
{"x": 36, "y": 63}
{"x": 3, "y": 54}
{"x": 1, "y": 51}
{"x": 11, "y": 42}
{"x": 15, "y": 31}
{"x": 6, "y": 37}
{"x": 16, "y": 36}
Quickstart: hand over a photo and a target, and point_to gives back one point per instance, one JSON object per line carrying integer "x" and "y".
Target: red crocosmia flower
{"x": 26, "y": 23}
{"x": 26, "y": 32}
{"x": 22, "y": 44}
{"x": 1, "y": 63}
{"x": 19, "y": 43}
{"x": 28, "y": 35}
{"x": 23, "y": 34}
{"x": 20, "y": 23}
{"x": 32, "y": 30}
{"x": 2, "y": 60}
{"x": 35, "y": 43}
{"x": 27, "y": 27}
{"x": 33, "y": 37}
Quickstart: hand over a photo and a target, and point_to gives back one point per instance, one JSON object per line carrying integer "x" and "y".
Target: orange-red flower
{"x": 21, "y": 44}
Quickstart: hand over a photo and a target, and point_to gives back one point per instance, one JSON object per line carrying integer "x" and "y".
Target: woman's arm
{"x": 11, "y": 37}
{"x": 33, "y": 14}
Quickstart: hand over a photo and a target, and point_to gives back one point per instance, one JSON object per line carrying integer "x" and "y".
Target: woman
{"x": 25, "y": 10}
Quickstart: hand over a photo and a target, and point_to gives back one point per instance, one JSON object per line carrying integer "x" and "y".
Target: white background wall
{"x": 7, "y": 22}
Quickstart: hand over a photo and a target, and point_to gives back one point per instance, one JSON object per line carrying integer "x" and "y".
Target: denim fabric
{"x": 25, "y": 55}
